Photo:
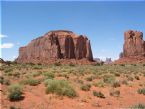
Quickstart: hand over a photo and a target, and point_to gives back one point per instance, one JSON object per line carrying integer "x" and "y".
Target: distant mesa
{"x": 108, "y": 61}
{"x": 133, "y": 48}
{"x": 59, "y": 44}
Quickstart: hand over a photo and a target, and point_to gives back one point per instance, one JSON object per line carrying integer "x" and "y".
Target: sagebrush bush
{"x": 48, "y": 75}
{"x": 1, "y": 79}
{"x": 108, "y": 79}
{"x": 90, "y": 78}
{"x": 125, "y": 82}
{"x": 15, "y": 92}
{"x": 99, "y": 84}
{"x": 47, "y": 81}
{"x": 115, "y": 93}
{"x": 138, "y": 106}
{"x": 141, "y": 91}
{"x": 98, "y": 94}
{"x": 57, "y": 63}
{"x": 8, "y": 70}
{"x": 37, "y": 67}
{"x": 137, "y": 77}
{"x": 31, "y": 82}
{"x": 60, "y": 87}
{"x": 115, "y": 84}
{"x": 86, "y": 87}
{"x": 13, "y": 107}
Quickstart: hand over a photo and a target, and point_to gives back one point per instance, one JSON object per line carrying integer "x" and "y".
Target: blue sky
{"x": 103, "y": 22}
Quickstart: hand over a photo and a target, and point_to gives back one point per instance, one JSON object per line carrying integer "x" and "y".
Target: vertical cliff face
{"x": 59, "y": 44}
{"x": 134, "y": 45}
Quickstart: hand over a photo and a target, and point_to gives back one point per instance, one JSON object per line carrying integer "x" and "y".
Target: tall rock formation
{"x": 134, "y": 44}
{"x": 133, "y": 48}
{"x": 60, "y": 44}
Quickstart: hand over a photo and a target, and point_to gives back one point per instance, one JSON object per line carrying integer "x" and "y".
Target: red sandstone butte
{"x": 134, "y": 44}
{"x": 133, "y": 48}
{"x": 59, "y": 44}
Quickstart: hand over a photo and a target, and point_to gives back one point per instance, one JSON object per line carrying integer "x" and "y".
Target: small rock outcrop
{"x": 60, "y": 44}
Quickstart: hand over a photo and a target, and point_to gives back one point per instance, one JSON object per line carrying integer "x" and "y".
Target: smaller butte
{"x": 133, "y": 48}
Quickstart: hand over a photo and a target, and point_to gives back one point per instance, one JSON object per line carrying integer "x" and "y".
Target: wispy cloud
{"x": 3, "y": 36}
{"x": 6, "y": 45}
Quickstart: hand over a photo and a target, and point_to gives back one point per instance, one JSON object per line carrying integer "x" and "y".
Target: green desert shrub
{"x": 1, "y": 79}
{"x": 16, "y": 74}
{"x": 35, "y": 74}
{"x": 122, "y": 64}
{"x": 86, "y": 87}
{"x": 125, "y": 82}
{"x": 129, "y": 78}
{"x": 137, "y": 77}
{"x": 8, "y": 70}
{"x": 141, "y": 91}
{"x": 115, "y": 93}
{"x": 37, "y": 67}
{"x": 30, "y": 81}
{"x": 117, "y": 74}
{"x": 71, "y": 64}
{"x": 108, "y": 79}
{"x": 80, "y": 81}
{"x": 96, "y": 64}
{"x": 60, "y": 87}
{"x": 138, "y": 106}
{"x": 47, "y": 81}
{"x": 57, "y": 63}
{"x": 48, "y": 75}
{"x": 90, "y": 78}
{"x": 13, "y": 107}
{"x": 99, "y": 84}
{"x": 33, "y": 82}
{"x": 4, "y": 81}
{"x": 15, "y": 92}
{"x": 98, "y": 94}
{"x": 115, "y": 84}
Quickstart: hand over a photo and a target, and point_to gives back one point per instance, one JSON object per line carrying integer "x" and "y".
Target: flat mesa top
{"x": 66, "y": 31}
{"x": 62, "y": 33}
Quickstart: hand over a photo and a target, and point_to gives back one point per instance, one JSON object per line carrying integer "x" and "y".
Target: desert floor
{"x": 72, "y": 86}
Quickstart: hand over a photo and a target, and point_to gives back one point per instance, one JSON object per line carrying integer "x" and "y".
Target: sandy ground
{"x": 36, "y": 98}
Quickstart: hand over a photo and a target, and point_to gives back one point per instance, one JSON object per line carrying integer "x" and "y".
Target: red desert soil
{"x": 36, "y": 98}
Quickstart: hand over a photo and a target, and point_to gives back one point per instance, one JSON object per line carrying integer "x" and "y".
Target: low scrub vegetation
{"x": 62, "y": 80}
{"x": 138, "y": 106}
{"x": 31, "y": 82}
{"x": 48, "y": 75}
{"x": 141, "y": 91}
{"x": 60, "y": 87}
{"x": 98, "y": 94}
{"x": 99, "y": 84}
{"x": 115, "y": 93}
{"x": 86, "y": 87}
{"x": 15, "y": 92}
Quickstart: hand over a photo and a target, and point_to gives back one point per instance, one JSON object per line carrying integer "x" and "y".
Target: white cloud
{"x": 6, "y": 45}
{"x": 3, "y": 36}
